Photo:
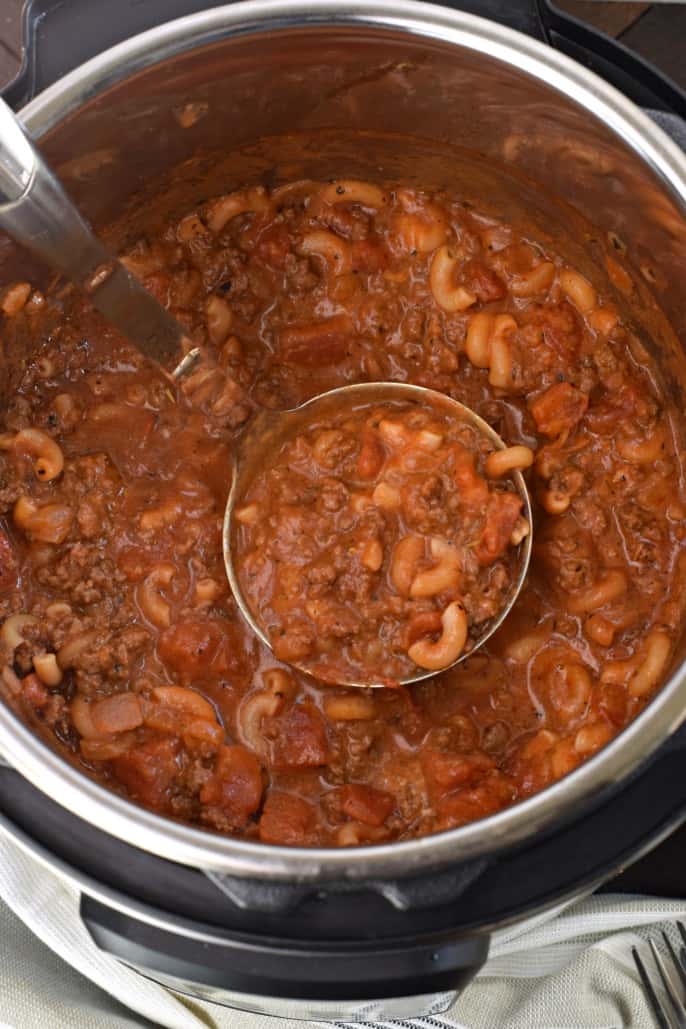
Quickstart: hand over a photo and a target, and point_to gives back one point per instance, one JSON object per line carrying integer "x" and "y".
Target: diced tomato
{"x": 496, "y": 791}
{"x": 236, "y": 784}
{"x": 34, "y": 691}
{"x": 202, "y": 649}
{"x": 8, "y": 562}
{"x": 473, "y": 488}
{"x": 148, "y": 771}
{"x": 448, "y": 771}
{"x": 561, "y": 328}
{"x": 501, "y": 517}
{"x": 365, "y": 804}
{"x": 482, "y": 281}
{"x": 316, "y": 345}
{"x": 559, "y": 409}
{"x": 273, "y": 246}
{"x": 301, "y": 741}
{"x": 286, "y": 819}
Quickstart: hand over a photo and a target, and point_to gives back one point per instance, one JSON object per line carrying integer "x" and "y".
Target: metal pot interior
{"x": 261, "y": 93}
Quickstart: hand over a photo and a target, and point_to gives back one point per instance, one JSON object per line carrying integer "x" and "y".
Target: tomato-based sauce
{"x": 120, "y": 638}
{"x": 381, "y": 541}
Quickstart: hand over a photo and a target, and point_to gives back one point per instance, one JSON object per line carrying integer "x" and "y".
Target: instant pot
{"x": 551, "y": 122}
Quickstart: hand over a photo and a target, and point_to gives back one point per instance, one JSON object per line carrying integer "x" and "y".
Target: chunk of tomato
{"x": 34, "y": 691}
{"x": 301, "y": 741}
{"x": 365, "y": 804}
{"x": 286, "y": 819}
{"x": 236, "y": 784}
{"x": 446, "y": 772}
{"x": 148, "y": 771}
{"x": 202, "y": 649}
{"x": 316, "y": 345}
{"x": 472, "y": 487}
{"x": 501, "y": 517}
{"x": 559, "y": 409}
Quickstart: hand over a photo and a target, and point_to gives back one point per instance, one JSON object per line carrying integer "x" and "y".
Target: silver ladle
{"x": 37, "y": 213}
{"x": 269, "y": 429}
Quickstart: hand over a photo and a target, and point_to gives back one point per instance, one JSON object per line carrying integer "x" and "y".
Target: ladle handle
{"x": 35, "y": 210}
{"x": 37, "y": 213}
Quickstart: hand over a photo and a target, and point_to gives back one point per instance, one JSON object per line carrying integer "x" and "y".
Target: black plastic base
{"x": 364, "y": 970}
{"x": 177, "y": 922}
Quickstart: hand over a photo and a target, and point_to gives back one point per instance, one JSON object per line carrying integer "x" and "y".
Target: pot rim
{"x": 108, "y": 811}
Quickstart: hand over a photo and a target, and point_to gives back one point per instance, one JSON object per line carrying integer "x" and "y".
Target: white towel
{"x": 566, "y": 970}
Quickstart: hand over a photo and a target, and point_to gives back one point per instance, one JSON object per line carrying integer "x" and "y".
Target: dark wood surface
{"x": 10, "y": 46}
{"x": 613, "y": 18}
{"x": 660, "y": 36}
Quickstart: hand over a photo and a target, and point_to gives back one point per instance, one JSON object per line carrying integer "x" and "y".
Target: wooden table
{"x": 614, "y": 18}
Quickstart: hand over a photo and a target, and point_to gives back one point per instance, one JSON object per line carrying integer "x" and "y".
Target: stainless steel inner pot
{"x": 271, "y": 90}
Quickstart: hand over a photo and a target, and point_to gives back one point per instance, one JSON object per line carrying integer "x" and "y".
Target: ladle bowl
{"x": 269, "y": 429}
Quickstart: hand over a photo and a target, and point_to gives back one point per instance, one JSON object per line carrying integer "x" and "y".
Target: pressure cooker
{"x": 393, "y": 930}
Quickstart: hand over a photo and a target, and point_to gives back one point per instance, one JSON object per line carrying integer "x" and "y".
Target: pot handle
{"x": 630, "y": 73}
{"x": 383, "y": 979}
